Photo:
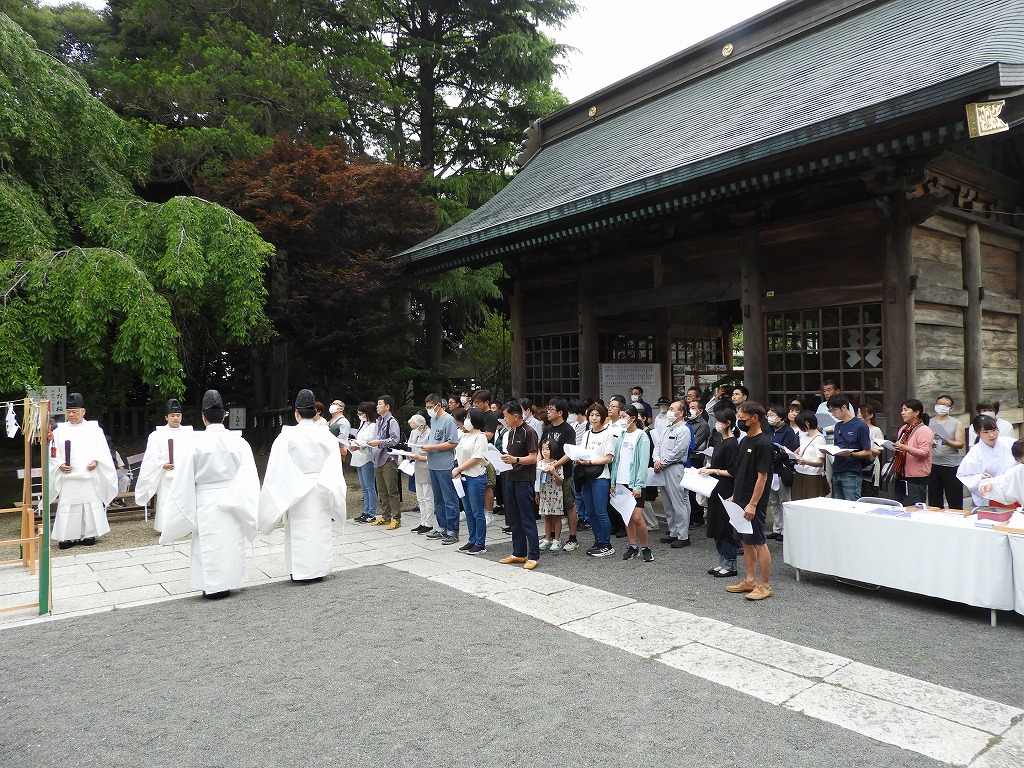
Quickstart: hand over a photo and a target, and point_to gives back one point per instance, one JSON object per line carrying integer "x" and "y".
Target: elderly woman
{"x": 989, "y": 457}
{"x": 912, "y": 464}
{"x": 419, "y": 435}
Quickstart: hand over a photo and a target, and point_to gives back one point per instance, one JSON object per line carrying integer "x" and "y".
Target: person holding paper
{"x": 157, "y": 469}
{"x": 866, "y": 413}
{"x": 912, "y": 463}
{"x": 419, "y": 435}
{"x": 630, "y": 461}
{"x": 698, "y": 424}
{"x": 83, "y": 479}
{"x": 950, "y": 438}
{"x": 594, "y": 476}
{"x": 470, "y": 467}
{"x": 444, "y": 437}
{"x": 750, "y": 492}
{"x": 214, "y": 497}
{"x": 521, "y": 453}
{"x": 671, "y": 454}
{"x": 854, "y": 441}
{"x": 723, "y": 466}
{"x": 304, "y": 485}
{"x": 385, "y": 470}
{"x": 362, "y": 460}
{"x": 809, "y": 472}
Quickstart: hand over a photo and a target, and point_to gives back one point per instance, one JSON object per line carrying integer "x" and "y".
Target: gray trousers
{"x": 676, "y": 501}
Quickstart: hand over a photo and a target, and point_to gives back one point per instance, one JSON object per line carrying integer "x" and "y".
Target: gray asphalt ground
{"x": 377, "y": 667}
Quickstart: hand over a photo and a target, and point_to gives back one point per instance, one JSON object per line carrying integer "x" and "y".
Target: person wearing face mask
{"x": 339, "y": 425}
{"x": 782, "y": 437}
{"x": 470, "y": 467}
{"x": 698, "y": 424}
{"x": 723, "y": 466}
{"x": 990, "y": 408}
{"x": 440, "y": 450}
{"x": 636, "y": 396}
{"x": 671, "y": 454}
{"x": 661, "y": 421}
{"x": 362, "y": 460}
{"x": 950, "y": 438}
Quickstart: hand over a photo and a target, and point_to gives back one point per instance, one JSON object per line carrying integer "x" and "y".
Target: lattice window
{"x": 698, "y": 354}
{"x": 626, "y": 348}
{"x": 552, "y": 367}
{"x": 808, "y": 347}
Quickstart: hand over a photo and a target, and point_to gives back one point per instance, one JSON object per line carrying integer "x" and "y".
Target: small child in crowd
{"x": 550, "y": 495}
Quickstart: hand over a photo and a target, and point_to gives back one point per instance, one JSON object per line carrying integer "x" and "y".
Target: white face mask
{"x": 334, "y": 409}
{"x": 663, "y": 409}
{"x": 635, "y": 398}
{"x": 991, "y": 414}
{"x": 693, "y": 413}
{"x": 773, "y": 419}
{"x": 467, "y": 425}
{"x": 672, "y": 416}
{"x": 362, "y": 417}
{"x": 572, "y": 416}
{"x": 464, "y": 400}
{"x": 941, "y": 410}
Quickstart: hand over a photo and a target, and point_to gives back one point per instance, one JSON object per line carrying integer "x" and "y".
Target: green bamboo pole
{"x": 44, "y": 553}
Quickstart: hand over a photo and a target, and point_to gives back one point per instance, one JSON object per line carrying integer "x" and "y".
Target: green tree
{"x": 98, "y": 284}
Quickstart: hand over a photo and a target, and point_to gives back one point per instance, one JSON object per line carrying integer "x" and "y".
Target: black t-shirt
{"x": 756, "y": 454}
{"x": 522, "y": 441}
{"x": 561, "y": 434}
{"x": 491, "y": 423}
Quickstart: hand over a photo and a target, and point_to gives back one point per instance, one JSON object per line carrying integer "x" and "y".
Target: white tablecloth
{"x": 1017, "y": 553}
{"x": 939, "y": 555}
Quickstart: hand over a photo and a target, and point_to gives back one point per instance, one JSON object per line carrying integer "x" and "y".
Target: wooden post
{"x": 518, "y": 342}
{"x": 588, "y": 336}
{"x": 972, "y": 318}
{"x": 899, "y": 360}
{"x": 755, "y": 373}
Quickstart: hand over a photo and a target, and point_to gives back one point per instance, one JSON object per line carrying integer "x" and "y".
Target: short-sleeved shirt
{"x": 852, "y": 435}
{"x": 756, "y": 453}
{"x": 563, "y": 434}
{"x": 491, "y": 423}
{"x": 522, "y": 441}
{"x": 442, "y": 430}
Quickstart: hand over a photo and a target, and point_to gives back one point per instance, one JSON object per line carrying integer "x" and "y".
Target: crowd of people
{"x": 599, "y": 466}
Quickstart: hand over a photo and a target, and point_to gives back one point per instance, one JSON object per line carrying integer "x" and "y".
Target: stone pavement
{"x": 934, "y": 721}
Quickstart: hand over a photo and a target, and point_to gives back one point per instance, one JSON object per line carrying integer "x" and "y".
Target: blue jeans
{"x": 447, "y": 511}
{"x": 726, "y": 552}
{"x": 846, "y": 485}
{"x": 519, "y": 509}
{"x": 476, "y": 520}
{"x": 596, "y": 498}
{"x": 369, "y": 487}
{"x": 581, "y": 505}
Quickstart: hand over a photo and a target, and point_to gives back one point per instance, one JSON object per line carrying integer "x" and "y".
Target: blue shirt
{"x": 442, "y": 430}
{"x": 852, "y": 435}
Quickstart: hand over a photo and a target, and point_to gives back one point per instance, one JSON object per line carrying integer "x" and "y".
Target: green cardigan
{"x": 641, "y": 462}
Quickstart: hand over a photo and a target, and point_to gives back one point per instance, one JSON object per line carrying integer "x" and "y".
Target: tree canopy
{"x": 89, "y": 265}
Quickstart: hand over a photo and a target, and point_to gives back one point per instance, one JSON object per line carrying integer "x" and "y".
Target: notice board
{"x": 619, "y": 378}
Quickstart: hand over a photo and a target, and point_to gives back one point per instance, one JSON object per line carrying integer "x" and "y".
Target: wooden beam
{"x": 751, "y": 291}
{"x": 694, "y": 292}
{"x": 822, "y": 297}
{"x": 549, "y": 329}
{"x": 898, "y": 332}
{"x": 588, "y": 335}
{"x": 934, "y": 294}
{"x": 1003, "y": 304}
{"x": 518, "y": 362}
{"x": 972, "y": 317}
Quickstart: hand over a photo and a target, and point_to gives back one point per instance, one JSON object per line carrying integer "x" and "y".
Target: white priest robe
{"x": 1008, "y": 488}
{"x": 304, "y": 483}
{"x": 214, "y": 496}
{"x": 82, "y": 494}
{"x": 982, "y": 459}
{"x": 153, "y": 479}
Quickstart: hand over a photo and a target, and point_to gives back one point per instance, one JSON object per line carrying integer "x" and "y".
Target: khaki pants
{"x": 387, "y": 491}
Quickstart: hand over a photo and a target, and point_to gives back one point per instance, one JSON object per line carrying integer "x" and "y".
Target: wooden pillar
{"x": 1020, "y": 325}
{"x": 755, "y": 373}
{"x": 899, "y": 359}
{"x": 972, "y": 318}
{"x": 518, "y": 351}
{"x": 589, "y": 379}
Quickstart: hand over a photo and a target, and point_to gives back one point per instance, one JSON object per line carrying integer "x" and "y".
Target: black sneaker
{"x": 507, "y": 529}
{"x": 630, "y": 552}
{"x": 647, "y": 554}
{"x": 667, "y": 539}
{"x": 464, "y": 547}
{"x": 606, "y": 551}
{"x": 476, "y": 549}
{"x": 362, "y": 519}
{"x": 583, "y": 525}
{"x": 680, "y": 543}
{"x": 595, "y": 551}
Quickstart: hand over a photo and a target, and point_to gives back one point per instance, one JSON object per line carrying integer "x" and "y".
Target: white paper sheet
{"x": 575, "y": 452}
{"x": 884, "y": 444}
{"x": 657, "y": 479}
{"x": 707, "y": 452}
{"x": 493, "y": 455}
{"x": 353, "y": 432}
{"x": 460, "y": 489}
{"x": 825, "y": 420}
{"x": 396, "y": 452}
{"x": 624, "y": 502}
{"x": 698, "y": 483}
{"x": 739, "y": 522}
{"x": 408, "y": 466}
{"x": 835, "y": 450}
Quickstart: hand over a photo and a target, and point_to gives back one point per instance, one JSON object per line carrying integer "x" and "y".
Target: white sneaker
{"x": 556, "y": 546}
{"x": 545, "y": 545}
{"x": 571, "y": 546}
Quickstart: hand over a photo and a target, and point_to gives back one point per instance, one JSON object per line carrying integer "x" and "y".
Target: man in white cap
{"x": 82, "y": 478}
{"x": 166, "y": 443}
{"x": 214, "y": 497}
{"x": 304, "y": 485}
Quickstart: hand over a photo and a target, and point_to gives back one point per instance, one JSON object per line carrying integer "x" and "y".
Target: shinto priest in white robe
{"x": 153, "y": 479}
{"x": 82, "y": 494}
{"x": 214, "y": 496}
{"x": 304, "y": 484}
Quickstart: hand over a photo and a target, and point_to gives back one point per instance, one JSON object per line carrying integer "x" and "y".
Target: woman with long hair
{"x": 362, "y": 460}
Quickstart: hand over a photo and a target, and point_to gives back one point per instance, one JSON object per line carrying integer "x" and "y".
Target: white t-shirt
{"x": 600, "y": 444}
{"x": 626, "y": 451}
{"x": 810, "y": 450}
